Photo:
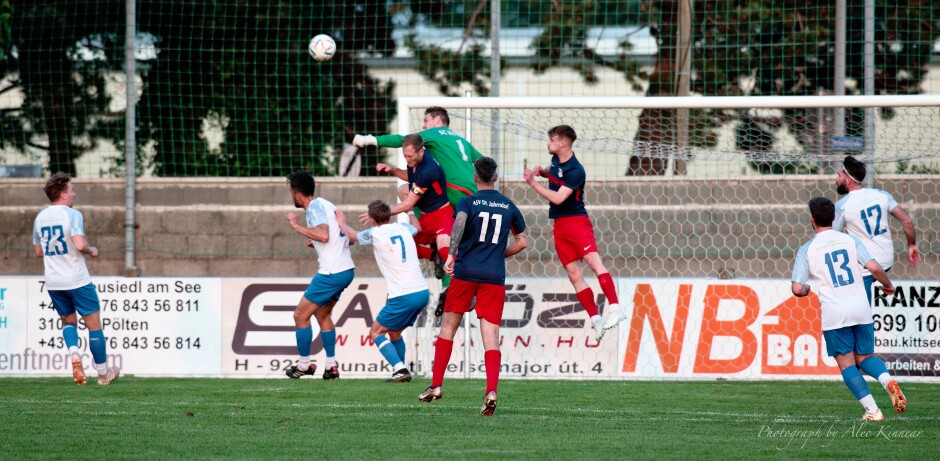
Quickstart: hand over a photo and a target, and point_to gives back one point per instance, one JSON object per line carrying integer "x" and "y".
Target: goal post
{"x": 706, "y": 254}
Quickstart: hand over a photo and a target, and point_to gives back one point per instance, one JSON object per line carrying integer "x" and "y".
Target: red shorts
{"x": 574, "y": 238}
{"x": 439, "y": 221}
{"x": 490, "y": 299}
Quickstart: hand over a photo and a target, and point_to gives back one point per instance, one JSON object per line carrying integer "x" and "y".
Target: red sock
{"x": 586, "y": 297}
{"x": 442, "y": 349}
{"x": 492, "y": 359}
{"x": 424, "y": 252}
{"x": 607, "y": 286}
{"x": 443, "y": 252}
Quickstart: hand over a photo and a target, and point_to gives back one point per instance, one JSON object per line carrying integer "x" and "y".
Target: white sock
{"x": 398, "y": 366}
{"x": 595, "y": 318}
{"x": 75, "y": 355}
{"x": 330, "y": 362}
{"x": 883, "y": 379}
{"x": 868, "y": 402}
{"x": 614, "y": 310}
{"x": 102, "y": 368}
{"x": 303, "y": 363}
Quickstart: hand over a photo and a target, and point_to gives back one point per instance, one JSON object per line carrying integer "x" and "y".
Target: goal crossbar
{"x": 661, "y": 102}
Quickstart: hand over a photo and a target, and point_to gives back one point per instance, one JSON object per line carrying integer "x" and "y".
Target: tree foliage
{"x": 787, "y": 49}
{"x": 65, "y": 106}
{"x": 243, "y": 67}
{"x": 739, "y": 48}
{"x": 235, "y": 68}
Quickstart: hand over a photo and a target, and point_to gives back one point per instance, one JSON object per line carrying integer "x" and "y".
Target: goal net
{"x": 699, "y": 206}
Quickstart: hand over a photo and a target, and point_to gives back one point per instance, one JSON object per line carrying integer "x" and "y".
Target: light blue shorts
{"x": 83, "y": 300}
{"x": 400, "y": 312}
{"x": 859, "y": 339}
{"x": 324, "y": 289}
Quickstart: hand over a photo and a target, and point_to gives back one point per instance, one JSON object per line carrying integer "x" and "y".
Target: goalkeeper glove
{"x": 363, "y": 140}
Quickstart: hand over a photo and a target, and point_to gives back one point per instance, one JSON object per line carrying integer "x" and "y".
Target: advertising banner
{"x": 674, "y": 329}
{"x": 545, "y": 333}
{"x": 154, "y": 327}
{"x": 755, "y": 328}
{"x": 259, "y": 332}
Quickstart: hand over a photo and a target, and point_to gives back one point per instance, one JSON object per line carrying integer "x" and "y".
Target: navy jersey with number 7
{"x": 481, "y": 254}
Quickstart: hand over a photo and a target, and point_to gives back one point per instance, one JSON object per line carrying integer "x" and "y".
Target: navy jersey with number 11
{"x": 481, "y": 255}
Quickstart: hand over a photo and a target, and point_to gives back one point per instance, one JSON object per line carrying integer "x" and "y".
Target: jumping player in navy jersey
{"x": 573, "y": 232}
{"x": 481, "y": 238}
{"x": 426, "y": 192}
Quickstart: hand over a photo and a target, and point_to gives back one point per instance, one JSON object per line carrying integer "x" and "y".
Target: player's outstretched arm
{"x": 799, "y": 290}
{"x": 881, "y": 276}
{"x": 388, "y": 140}
{"x": 519, "y": 243}
{"x": 913, "y": 254}
{"x": 397, "y": 172}
{"x": 407, "y": 204}
{"x": 351, "y": 233}
{"x": 319, "y": 233}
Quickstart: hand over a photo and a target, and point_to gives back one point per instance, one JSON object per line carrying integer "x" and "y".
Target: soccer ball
{"x": 322, "y": 47}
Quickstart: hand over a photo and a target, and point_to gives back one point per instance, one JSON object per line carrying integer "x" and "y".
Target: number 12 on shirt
{"x": 867, "y": 213}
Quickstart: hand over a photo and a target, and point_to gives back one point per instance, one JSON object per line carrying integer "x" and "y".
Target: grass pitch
{"x": 164, "y": 418}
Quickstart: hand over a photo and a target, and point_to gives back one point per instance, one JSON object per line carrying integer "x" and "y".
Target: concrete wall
{"x": 747, "y": 227}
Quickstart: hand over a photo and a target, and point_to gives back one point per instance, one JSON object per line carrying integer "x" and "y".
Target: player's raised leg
{"x": 615, "y": 314}
{"x": 875, "y": 367}
{"x": 399, "y": 313}
{"x": 389, "y": 351}
{"x": 585, "y": 296}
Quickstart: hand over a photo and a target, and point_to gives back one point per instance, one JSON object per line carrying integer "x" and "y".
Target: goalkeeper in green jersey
{"x": 454, "y": 153}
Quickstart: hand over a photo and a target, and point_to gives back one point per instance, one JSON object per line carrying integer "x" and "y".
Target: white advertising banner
{"x": 756, "y": 329}
{"x": 674, "y": 329}
{"x": 259, "y": 332}
{"x": 154, "y": 327}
